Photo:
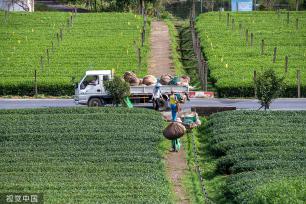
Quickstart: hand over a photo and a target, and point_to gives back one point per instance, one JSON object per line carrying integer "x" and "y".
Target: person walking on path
{"x": 157, "y": 96}
{"x": 173, "y": 104}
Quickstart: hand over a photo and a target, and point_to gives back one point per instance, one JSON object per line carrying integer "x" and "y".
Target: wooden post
{"x": 288, "y": 18}
{"x": 286, "y": 64}
{"x": 254, "y": 79}
{"x": 57, "y": 37}
{"x": 205, "y": 70}
{"x": 71, "y": 21}
{"x": 47, "y": 51}
{"x": 227, "y": 19}
{"x": 252, "y": 39}
{"x": 35, "y": 82}
{"x": 52, "y": 46}
{"x": 274, "y": 54}
{"x": 247, "y": 37}
{"x": 262, "y": 46}
{"x": 139, "y": 58}
{"x": 61, "y": 34}
{"x": 298, "y": 78}
{"x": 233, "y": 24}
{"x": 41, "y": 64}
{"x": 297, "y": 24}
{"x": 142, "y": 38}
{"x": 240, "y": 29}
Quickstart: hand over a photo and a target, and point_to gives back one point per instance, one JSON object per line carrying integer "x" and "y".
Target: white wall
{"x": 9, "y": 5}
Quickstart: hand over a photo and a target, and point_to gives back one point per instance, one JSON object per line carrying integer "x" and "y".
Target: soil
{"x": 160, "y": 56}
{"x": 176, "y": 166}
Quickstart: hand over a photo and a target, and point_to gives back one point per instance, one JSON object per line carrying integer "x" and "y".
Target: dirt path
{"x": 176, "y": 165}
{"x": 160, "y": 57}
{"x": 160, "y": 63}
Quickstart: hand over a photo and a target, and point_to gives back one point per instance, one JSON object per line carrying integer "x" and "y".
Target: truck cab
{"x": 90, "y": 90}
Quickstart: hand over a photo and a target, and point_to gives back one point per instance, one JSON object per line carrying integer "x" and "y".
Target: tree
{"x": 268, "y": 87}
{"x": 118, "y": 89}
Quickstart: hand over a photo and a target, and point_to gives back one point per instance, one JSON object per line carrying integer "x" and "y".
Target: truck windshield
{"x": 90, "y": 80}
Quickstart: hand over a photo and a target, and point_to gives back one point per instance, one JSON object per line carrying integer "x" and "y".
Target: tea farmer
{"x": 173, "y": 104}
{"x": 156, "y": 96}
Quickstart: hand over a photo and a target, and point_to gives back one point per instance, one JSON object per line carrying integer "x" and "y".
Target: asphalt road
{"x": 251, "y": 104}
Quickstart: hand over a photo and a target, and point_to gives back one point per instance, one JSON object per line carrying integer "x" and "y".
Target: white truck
{"x": 90, "y": 90}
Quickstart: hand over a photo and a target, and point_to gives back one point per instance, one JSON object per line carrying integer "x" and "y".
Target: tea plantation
{"x": 61, "y": 49}
{"x": 233, "y": 48}
{"x": 81, "y": 155}
{"x": 263, "y": 154}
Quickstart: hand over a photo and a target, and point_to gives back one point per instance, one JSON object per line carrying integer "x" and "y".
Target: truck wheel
{"x": 95, "y": 102}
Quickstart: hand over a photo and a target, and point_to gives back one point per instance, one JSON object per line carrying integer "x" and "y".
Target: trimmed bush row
{"x": 82, "y": 155}
{"x": 263, "y": 152}
{"x": 232, "y": 60}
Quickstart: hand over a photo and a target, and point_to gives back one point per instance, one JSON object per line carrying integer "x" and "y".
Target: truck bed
{"x": 165, "y": 89}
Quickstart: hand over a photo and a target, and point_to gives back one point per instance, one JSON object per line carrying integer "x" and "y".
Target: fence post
{"x": 35, "y": 82}
{"x": 297, "y": 24}
{"x": 47, "y": 51}
{"x": 142, "y": 38}
{"x": 262, "y": 46}
{"x": 139, "y": 57}
{"x": 286, "y": 64}
{"x": 298, "y": 78}
{"x": 274, "y": 54}
{"x": 255, "y": 78}
{"x": 288, "y": 18}
{"x": 205, "y": 70}
{"x": 247, "y": 37}
{"x": 41, "y": 63}
{"x": 252, "y": 39}
{"x": 57, "y": 37}
{"x": 71, "y": 21}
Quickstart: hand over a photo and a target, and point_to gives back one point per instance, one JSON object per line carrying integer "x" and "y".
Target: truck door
{"x": 104, "y": 79}
{"x": 91, "y": 85}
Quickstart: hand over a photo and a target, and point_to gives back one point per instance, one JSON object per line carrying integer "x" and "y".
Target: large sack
{"x": 149, "y": 80}
{"x": 131, "y": 78}
{"x": 128, "y": 75}
{"x": 174, "y": 130}
{"x": 165, "y": 79}
{"x": 185, "y": 80}
{"x": 134, "y": 81}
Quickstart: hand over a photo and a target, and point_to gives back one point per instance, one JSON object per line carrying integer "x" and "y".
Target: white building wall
{"x": 11, "y": 5}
